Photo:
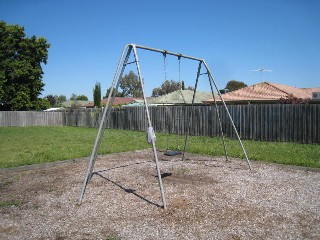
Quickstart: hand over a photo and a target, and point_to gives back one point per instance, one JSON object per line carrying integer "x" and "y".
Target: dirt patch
{"x": 207, "y": 198}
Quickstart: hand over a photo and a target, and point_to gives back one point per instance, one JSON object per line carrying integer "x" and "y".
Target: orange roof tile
{"x": 119, "y": 100}
{"x": 266, "y": 91}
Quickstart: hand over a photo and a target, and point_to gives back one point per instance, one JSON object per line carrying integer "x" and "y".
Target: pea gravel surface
{"x": 207, "y": 198}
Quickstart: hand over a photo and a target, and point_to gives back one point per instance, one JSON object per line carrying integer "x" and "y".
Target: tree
{"x": 20, "y": 68}
{"x": 233, "y": 85}
{"x": 190, "y": 88}
{"x": 60, "y": 99}
{"x": 52, "y": 100}
{"x": 81, "y": 98}
{"x": 165, "y": 88}
{"x": 97, "y": 95}
{"x": 56, "y": 101}
{"x": 290, "y": 99}
{"x": 130, "y": 85}
{"x": 183, "y": 86}
{"x": 119, "y": 94}
{"x": 42, "y": 104}
{"x": 73, "y": 97}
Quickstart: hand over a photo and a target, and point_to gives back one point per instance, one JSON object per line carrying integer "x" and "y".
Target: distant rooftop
{"x": 181, "y": 97}
{"x": 266, "y": 91}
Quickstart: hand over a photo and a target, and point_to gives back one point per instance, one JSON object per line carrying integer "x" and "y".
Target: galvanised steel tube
{"x": 93, "y": 156}
{"x": 150, "y": 125}
{"x": 166, "y": 52}
{"x": 192, "y": 107}
{"x": 219, "y": 119}
{"x": 225, "y": 106}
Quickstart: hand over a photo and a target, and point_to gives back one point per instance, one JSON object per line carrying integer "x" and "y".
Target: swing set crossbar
{"x": 179, "y": 55}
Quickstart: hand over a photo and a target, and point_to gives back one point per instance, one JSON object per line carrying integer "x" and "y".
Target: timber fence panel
{"x": 264, "y": 122}
{"x": 30, "y": 118}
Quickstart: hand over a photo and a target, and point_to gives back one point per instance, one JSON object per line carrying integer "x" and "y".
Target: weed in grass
{"x": 185, "y": 170}
{"x": 9, "y": 181}
{"x": 35, "y": 206}
{"x": 15, "y": 203}
{"x": 113, "y": 237}
{"x": 60, "y": 236}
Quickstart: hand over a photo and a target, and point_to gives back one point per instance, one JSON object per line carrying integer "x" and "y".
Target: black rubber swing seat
{"x": 172, "y": 152}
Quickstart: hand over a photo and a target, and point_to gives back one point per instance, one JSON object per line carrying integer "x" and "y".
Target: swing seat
{"x": 172, "y": 152}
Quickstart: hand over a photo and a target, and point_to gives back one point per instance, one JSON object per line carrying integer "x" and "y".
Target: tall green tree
{"x": 73, "y": 97}
{"x": 52, "y": 100}
{"x": 60, "y": 99}
{"x": 233, "y": 85}
{"x": 165, "y": 88}
{"x": 20, "y": 68}
{"x": 119, "y": 94}
{"x": 183, "y": 87}
{"x": 130, "y": 85}
{"x": 97, "y": 95}
{"x": 82, "y": 98}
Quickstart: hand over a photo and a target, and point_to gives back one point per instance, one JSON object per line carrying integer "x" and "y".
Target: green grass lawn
{"x": 31, "y": 145}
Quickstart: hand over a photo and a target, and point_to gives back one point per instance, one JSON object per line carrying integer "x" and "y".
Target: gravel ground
{"x": 207, "y": 198}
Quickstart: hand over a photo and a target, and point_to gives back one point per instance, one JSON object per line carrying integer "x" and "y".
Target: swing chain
{"x": 165, "y": 64}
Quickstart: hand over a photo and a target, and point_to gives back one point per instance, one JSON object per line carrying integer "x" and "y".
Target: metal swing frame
{"x": 123, "y": 62}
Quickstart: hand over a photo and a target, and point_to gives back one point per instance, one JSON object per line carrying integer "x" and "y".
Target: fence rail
{"x": 270, "y": 122}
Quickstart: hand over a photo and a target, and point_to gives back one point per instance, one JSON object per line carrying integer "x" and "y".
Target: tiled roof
{"x": 119, "y": 100}
{"x": 266, "y": 91}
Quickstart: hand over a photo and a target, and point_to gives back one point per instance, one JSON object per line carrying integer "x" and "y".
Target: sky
{"x": 232, "y": 36}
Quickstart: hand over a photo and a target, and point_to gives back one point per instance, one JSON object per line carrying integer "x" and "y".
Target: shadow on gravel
{"x": 122, "y": 166}
{"x": 128, "y": 190}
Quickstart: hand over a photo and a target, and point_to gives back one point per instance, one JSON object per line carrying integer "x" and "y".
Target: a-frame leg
{"x": 103, "y": 122}
{"x": 105, "y": 117}
{"x": 150, "y": 126}
{"x": 219, "y": 119}
{"x": 192, "y": 107}
{"x": 228, "y": 113}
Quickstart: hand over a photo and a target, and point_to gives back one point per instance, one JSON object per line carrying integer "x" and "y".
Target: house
{"x": 180, "y": 97}
{"x": 135, "y": 103}
{"x": 266, "y": 92}
{"x": 118, "y": 101}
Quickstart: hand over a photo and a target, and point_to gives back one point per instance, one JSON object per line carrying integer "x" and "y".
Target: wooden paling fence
{"x": 30, "y": 118}
{"x": 268, "y": 122}
{"x": 272, "y": 122}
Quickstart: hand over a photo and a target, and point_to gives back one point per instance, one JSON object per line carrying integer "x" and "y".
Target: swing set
{"x": 123, "y": 62}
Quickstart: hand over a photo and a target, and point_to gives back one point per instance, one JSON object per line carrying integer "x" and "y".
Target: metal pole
{"x": 192, "y": 108}
{"x": 150, "y": 125}
{"x": 97, "y": 143}
{"x": 166, "y": 52}
{"x": 219, "y": 119}
{"x": 225, "y": 106}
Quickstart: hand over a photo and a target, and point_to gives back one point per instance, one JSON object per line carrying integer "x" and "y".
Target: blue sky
{"x": 87, "y": 38}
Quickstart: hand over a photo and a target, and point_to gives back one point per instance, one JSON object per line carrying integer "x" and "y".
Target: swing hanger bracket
{"x": 164, "y": 53}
